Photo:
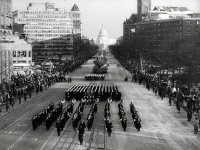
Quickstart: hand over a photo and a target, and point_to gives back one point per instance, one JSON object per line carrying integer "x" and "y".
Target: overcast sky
{"x": 110, "y": 13}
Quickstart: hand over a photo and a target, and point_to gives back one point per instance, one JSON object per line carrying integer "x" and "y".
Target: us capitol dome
{"x": 102, "y": 39}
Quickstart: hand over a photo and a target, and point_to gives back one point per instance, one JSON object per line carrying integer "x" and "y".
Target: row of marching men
{"x": 47, "y": 115}
{"x": 107, "y": 118}
{"x": 102, "y": 91}
{"x": 122, "y": 115}
{"x": 91, "y": 77}
{"x": 78, "y": 113}
{"x": 135, "y": 116}
{"x": 61, "y": 121}
{"x": 90, "y": 119}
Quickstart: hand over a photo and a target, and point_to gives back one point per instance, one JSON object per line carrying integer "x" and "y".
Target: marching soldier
{"x": 34, "y": 122}
{"x": 58, "y": 126}
{"x": 109, "y": 127}
{"x": 124, "y": 123}
{"x": 137, "y": 122}
{"x": 89, "y": 122}
{"x": 81, "y": 131}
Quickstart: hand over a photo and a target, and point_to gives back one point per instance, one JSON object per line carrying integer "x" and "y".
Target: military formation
{"x": 93, "y": 91}
{"x": 135, "y": 116}
{"x": 107, "y": 118}
{"x": 77, "y": 116}
{"x": 94, "y": 77}
{"x": 66, "y": 114}
{"x": 122, "y": 115}
{"x": 47, "y": 115}
{"x": 90, "y": 117}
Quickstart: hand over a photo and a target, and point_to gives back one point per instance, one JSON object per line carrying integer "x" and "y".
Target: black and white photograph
{"x": 99, "y": 74}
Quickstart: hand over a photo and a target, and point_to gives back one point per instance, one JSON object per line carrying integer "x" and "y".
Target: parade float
{"x": 100, "y": 64}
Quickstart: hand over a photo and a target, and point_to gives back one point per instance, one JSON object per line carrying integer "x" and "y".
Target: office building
{"x": 52, "y": 31}
{"x": 6, "y": 43}
{"x": 171, "y": 36}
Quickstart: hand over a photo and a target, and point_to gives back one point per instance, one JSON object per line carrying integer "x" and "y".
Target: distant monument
{"x": 102, "y": 39}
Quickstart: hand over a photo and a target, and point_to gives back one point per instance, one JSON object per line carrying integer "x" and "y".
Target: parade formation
{"x": 93, "y": 91}
{"x": 74, "y": 117}
{"x": 93, "y": 77}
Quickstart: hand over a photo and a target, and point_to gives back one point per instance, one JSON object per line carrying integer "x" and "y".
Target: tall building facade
{"x": 6, "y": 59}
{"x": 169, "y": 37}
{"x": 143, "y": 7}
{"x": 6, "y": 14}
{"x": 53, "y": 31}
{"x": 22, "y": 51}
{"x": 129, "y": 28}
{"x": 6, "y": 43}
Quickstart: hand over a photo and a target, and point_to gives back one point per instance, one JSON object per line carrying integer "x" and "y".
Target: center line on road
{"x": 14, "y": 122}
{"x": 19, "y": 138}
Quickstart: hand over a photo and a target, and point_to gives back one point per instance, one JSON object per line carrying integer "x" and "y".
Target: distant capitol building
{"x": 102, "y": 40}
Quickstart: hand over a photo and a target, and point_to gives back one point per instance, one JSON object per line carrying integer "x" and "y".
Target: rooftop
{"x": 75, "y": 8}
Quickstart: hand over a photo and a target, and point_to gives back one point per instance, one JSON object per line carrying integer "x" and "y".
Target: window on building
{"x": 188, "y": 33}
{"x": 14, "y": 53}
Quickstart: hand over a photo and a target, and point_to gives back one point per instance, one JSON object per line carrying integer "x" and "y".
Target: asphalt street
{"x": 163, "y": 128}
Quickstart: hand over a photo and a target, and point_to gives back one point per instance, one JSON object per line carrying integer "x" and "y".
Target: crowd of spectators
{"x": 183, "y": 95}
{"x": 22, "y": 86}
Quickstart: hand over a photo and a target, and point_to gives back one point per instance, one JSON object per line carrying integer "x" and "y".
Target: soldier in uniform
{"x": 34, "y": 122}
{"x": 58, "y": 126}
{"x": 124, "y": 123}
{"x": 109, "y": 127}
{"x": 89, "y": 122}
{"x": 81, "y": 131}
{"x": 75, "y": 121}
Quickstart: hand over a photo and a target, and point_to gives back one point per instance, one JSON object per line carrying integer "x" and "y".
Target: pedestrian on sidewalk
{"x": 178, "y": 105}
{"x": 170, "y": 100}
{"x": 196, "y": 124}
